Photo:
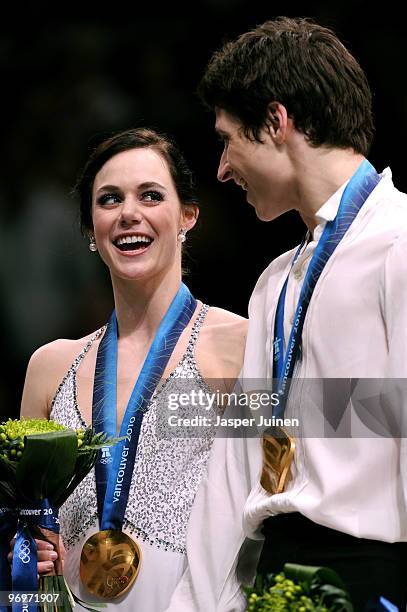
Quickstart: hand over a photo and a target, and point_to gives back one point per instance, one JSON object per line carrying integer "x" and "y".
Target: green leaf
{"x": 97, "y": 441}
{"x": 342, "y": 605}
{"x": 83, "y": 465}
{"x": 8, "y": 482}
{"x": 86, "y": 458}
{"x": 7, "y": 495}
{"x": 310, "y": 573}
{"x": 259, "y": 582}
{"x": 47, "y": 464}
{"x": 331, "y": 591}
{"x": 335, "y": 599}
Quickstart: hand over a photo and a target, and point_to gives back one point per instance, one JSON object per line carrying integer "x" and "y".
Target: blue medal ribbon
{"x": 24, "y": 567}
{"x": 354, "y": 196}
{"x": 114, "y": 468}
{"x": 8, "y": 526}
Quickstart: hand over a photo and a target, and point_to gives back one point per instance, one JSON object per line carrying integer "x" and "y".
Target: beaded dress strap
{"x": 71, "y": 373}
{"x": 86, "y": 348}
{"x": 191, "y": 343}
{"x": 196, "y": 328}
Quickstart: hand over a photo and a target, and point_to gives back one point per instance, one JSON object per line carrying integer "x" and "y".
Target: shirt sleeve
{"x": 220, "y": 557}
{"x": 215, "y": 534}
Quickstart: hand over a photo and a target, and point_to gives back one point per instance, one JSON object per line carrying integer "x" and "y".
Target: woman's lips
{"x": 133, "y": 252}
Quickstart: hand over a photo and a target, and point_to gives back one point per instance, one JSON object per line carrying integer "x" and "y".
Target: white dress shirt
{"x": 355, "y": 327}
{"x": 326, "y": 213}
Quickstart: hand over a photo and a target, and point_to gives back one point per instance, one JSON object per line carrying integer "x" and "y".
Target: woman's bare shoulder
{"x": 222, "y": 342}
{"x": 59, "y": 353}
{"x": 46, "y": 368}
{"x": 229, "y": 321}
{"x": 225, "y": 330}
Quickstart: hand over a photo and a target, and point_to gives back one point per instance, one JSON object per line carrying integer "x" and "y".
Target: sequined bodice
{"x": 166, "y": 474}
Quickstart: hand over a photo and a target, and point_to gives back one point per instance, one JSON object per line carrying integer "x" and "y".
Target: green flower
{"x": 12, "y": 434}
{"x": 40, "y": 458}
{"x": 299, "y": 589}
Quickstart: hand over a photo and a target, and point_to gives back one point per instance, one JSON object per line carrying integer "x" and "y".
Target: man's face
{"x": 261, "y": 169}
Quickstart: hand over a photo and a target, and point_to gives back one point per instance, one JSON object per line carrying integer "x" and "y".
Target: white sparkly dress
{"x": 165, "y": 479}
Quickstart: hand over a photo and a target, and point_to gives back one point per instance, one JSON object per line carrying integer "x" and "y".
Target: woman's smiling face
{"x": 137, "y": 215}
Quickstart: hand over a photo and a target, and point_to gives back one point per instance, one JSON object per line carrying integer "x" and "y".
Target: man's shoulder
{"x": 387, "y": 195}
{"x": 387, "y": 217}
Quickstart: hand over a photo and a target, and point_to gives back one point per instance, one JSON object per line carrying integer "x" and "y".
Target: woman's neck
{"x": 141, "y": 305}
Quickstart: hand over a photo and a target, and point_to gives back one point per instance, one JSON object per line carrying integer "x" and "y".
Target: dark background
{"x": 63, "y": 82}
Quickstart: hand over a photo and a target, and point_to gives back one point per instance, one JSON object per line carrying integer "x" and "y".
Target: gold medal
{"x": 278, "y": 453}
{"x": 110, "y": 562}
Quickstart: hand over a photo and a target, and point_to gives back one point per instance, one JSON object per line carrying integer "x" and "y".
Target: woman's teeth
{"x": 131, "y": 243}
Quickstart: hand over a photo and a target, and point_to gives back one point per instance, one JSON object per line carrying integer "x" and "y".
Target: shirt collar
{"x": 328, "y": 211}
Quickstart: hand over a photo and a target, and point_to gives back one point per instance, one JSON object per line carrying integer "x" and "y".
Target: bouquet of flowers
{"x": 41, "y": 463}
{"x": 299, "y": 588}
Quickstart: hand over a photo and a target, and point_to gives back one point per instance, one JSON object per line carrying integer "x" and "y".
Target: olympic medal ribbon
{"x": 8, "y": 526}
{"x": 114, "y": 473}
{"x": 278, "y": 446}
{"x": 24, "y": 566}
{"x": 360, "y": 186}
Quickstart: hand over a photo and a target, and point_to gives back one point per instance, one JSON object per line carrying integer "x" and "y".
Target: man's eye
{"x": 152, "y": 196}
{"x": 108, "y": 198}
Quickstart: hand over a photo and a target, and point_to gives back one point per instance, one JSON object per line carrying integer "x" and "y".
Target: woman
{"x": 137, "y": 205}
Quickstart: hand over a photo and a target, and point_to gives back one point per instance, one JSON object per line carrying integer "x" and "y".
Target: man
{"x": 293, "y": 108}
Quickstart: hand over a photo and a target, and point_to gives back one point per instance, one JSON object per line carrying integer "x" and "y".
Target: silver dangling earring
{"x": 92, "y": 244}
{"x": 182, "y": 235}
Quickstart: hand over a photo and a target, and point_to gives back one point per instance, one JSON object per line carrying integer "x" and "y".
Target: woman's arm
{"x": 34, "y": 402}
{"x": 46, "y": 368}
{"x": 39, "y": 388}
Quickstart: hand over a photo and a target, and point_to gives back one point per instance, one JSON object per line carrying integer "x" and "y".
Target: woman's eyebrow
{"x": 144, "y": 185}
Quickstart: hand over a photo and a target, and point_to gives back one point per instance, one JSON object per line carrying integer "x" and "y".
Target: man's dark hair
{"x": 303, "y": 66}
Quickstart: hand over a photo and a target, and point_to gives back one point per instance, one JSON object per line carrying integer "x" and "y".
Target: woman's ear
{"x": 189, "y": 216}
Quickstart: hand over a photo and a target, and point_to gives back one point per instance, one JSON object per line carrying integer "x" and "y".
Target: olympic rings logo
{"x": 24, "y": 551}
{"x": 106, "y": 456}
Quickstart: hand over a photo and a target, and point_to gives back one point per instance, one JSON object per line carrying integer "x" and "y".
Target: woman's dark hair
{"x": 303, "y": 66}
{"x": 138, "y": 138}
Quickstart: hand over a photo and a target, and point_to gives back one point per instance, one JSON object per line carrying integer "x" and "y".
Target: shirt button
{"x": 298, "y": 274}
